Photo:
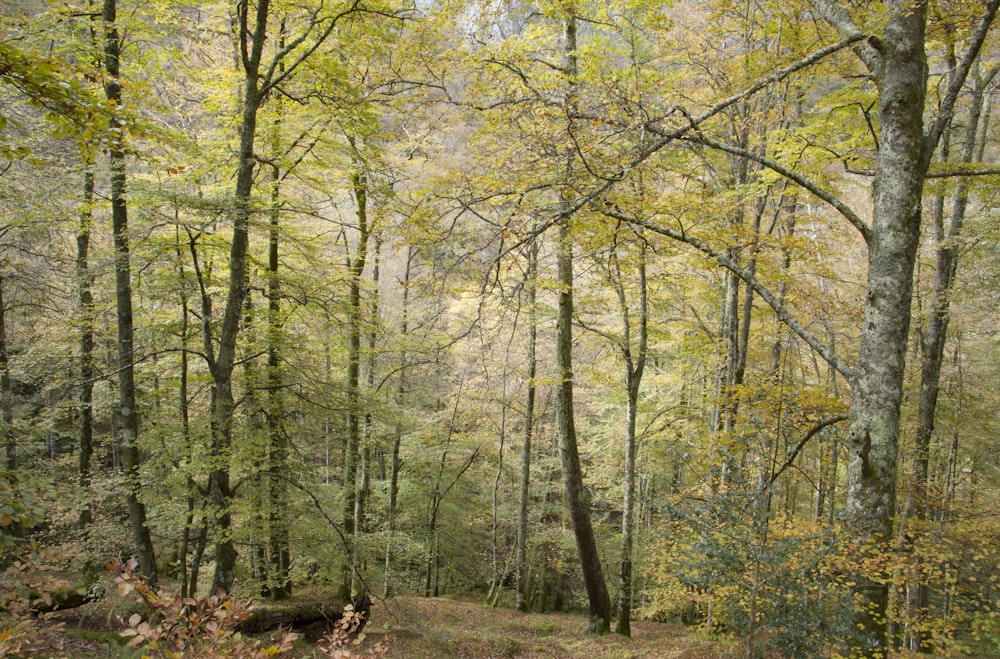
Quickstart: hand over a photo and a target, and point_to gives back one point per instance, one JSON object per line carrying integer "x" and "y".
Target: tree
{"x": 531, "y": 281}
{"x": 86, "y": 297}
{"x": 123, "y": 296}
{"x": 259, "y": 81}
{"x": 898, "y": 61}
{"x": 635, "y": 365}
{"x": 576, "y": 499}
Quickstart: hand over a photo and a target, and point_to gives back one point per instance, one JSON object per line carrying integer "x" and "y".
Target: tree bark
{"x": 521, "y": 599}
{"x": 394, "y": 464}
{"x": 355, "y": 266}
{"x": 878, "y": 385}
{"x": 84, "y": 283}
{"x": 123, "y": 296}
{"x": 576, "y": 499}
{"x": 634, "y": 367}
{"x": 279, "y": 551}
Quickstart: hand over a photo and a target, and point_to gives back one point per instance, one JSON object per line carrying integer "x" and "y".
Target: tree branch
{"x": 957, "y": 81}
{"x": 726, "y": 262}
{"x": 798, "y": 447}
{"x": 837, "y": 16}
{"x": 667, "y": 136}
{"x": 796, "y": 178}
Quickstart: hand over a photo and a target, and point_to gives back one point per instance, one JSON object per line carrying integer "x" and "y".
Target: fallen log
{"x": 55, "y": 598}
{"x": 311, "y": 619}
{"x": 60, "y": 599}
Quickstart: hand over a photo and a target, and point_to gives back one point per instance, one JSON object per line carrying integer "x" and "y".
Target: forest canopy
{"x": 674, "y": 311}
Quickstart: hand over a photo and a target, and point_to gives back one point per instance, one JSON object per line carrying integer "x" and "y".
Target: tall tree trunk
{"x": 355, "y": 267}
{"x": 576, "y": 499}
{"x": 184, "y": 411}
{"x": 6, "y": 397}
{"x": 521, "y": 602}
{"x": 878, "y": 387}
{"x": 932, "y": 345}
{"x": 635, "y": 364}
{"x": 221, "y": 364}
{"x": 394, "y": 464}
{"x": 279, "y": 551}
{"x": 123, "y": 296}
{"x": 368, "y": 432}
{"x": 84, "y": 283}
{"x": 493, "y": 596}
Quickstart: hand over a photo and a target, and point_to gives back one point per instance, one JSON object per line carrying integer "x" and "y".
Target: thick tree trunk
{"x": 123, "y": 295}
{"x": 576, "y": 498}
{"x": 878, "y": 386}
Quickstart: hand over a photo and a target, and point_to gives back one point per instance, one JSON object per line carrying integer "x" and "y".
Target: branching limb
{"x": 957, "y": 81}
{"x": 726, "y": 262}
{"x": 798, "y": 447}
{"x": 795, "y": 177}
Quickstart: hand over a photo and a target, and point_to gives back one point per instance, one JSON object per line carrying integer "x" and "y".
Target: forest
{"x": 652, "y": 311}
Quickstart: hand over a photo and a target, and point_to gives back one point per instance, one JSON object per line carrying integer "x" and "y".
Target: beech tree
{"x": 123, "y": 295}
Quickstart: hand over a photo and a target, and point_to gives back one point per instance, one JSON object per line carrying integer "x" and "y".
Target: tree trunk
{"x": 576, "y": 499}
{"x": 933, "y": 343}
{"x": 6, "y": 399}
{"x": 521, "y": 602}
{"x": 497, "y": 578}
{"x": 398, "y": 434}
{"x": 355, "y": 266}
{"x": 634, "y": 367}
{"x": 878, "y": 386}
{"x": 123, "y": 296}
{"x": 221, "y": 365}
{"x": 368, "y": 432}
{"x": 84, "y": 282}
{"x": 279, "y": 551}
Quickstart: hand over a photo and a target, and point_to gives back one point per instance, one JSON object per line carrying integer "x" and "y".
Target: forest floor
{"x": 417, "y": 628}
{"x": 437, "y": 627}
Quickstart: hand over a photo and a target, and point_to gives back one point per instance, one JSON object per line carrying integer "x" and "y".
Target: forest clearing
{"x": 680, "y": 314}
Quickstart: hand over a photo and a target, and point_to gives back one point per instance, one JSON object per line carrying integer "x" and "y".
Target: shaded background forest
{"x": 347, "y": 232}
